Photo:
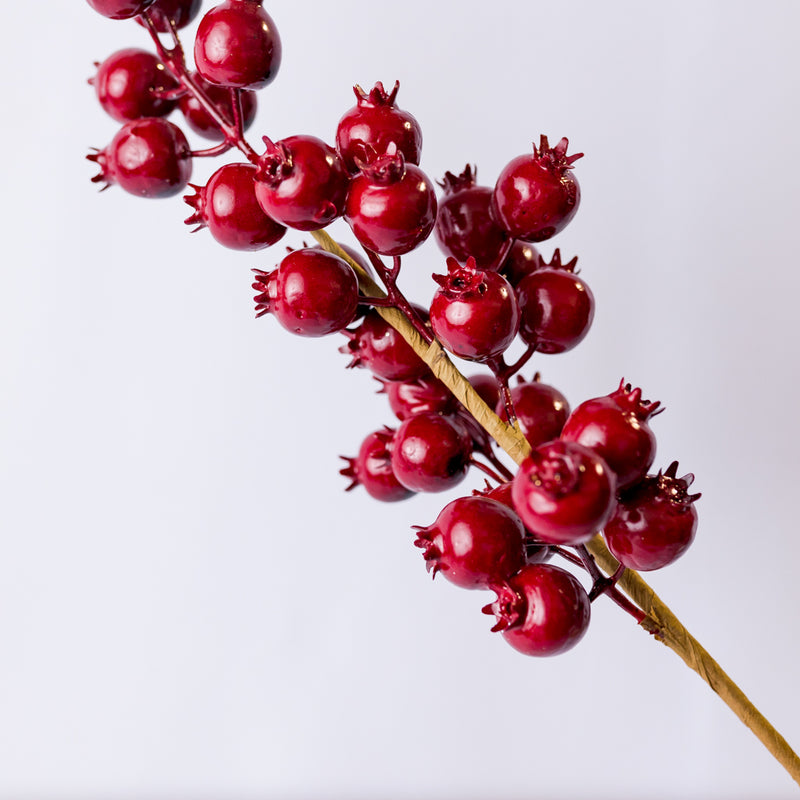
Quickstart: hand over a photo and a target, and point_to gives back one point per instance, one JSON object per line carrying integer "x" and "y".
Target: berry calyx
{"x": 543, "y": 610}
{"x": 655, "y": 521}
{"x": 301, "y": 182}
{"x": 237, "y": 45}
{"x": 537, "y": 195}
{"x": 372, "y": 468}
{"x": 474, "y": 313}
{"x": 227, "y": 205}
{"x": 431, "y": 453}
{"x": 312, "y": 293}
{"x": 616, "y": 427}
{"x": 564, "y": 492}
{"x": 475, "y": 541}
{"x": 391, "y": 205}
{"x": 375, "y": 123}
{"x": 148, "y": 157}
{"x": 464, "y": 225}
{"x": 556, "y": 306}
{"x": 131, "y": 84}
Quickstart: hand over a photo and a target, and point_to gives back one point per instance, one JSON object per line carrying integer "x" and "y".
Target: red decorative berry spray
{"x": 573, "y": 487}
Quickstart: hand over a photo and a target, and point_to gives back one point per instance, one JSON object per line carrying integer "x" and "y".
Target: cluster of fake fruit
{"x": 588, "y": 470}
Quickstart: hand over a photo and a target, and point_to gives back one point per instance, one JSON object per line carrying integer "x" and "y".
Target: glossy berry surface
{"x": 556, "y": 307}
{"x": 474, "y": 313}
{"x": 129, "y": 84}
{"x": 464, "y": 225}
{"x": 474, "y": 541}
{"x": 202, "y": 123}
{"x": 419, "y": 395}
{"x": 237, "y": 45}
{"x": 655, "y": 521}
{"x": 178, "y": 12}
{"x": 616, "y": 427}
{"x": 540, "y": 408}
{"x": 564, "y": 492}
{"x": 536, "y": 551}
{"x": 312, "y": 293}
{"x": 431, "y": 453}
{"x": 227, "y": 205}
{"x": 120, "y": 9}
{"x": 149, "y": 157}
{"x": 376, "y": 122}
{"x": 391, "y": 205}
{"x": 543, "y": 610}
{"x": 376, "y": 345}
{"x": 372, "y": 468}
{"x": 301, "y": 182}
{"x": 537, "y": 195}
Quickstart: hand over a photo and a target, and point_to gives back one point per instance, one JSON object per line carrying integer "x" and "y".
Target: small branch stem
{"x": 486, "y": 469}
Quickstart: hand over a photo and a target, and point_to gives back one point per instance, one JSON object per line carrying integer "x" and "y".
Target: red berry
{"x": 564, "y": 492}
{"x": 615, "y": 426}
{"x": 376, "y": 345}
{"x": 201, "y": 122}
{"x": 521, "y": 261}
{"x": 391, "y": 205}
{"x": 464, "y": 224}
{"x": 120, "y": 9}
{"x": 543, "y": 610}
{"x": 541, "y": 410}
{"x": 556, "y": 306}
{"x": 129, "y": 85}
{"x": 179, "y": 12}
{"x": 655, "y": 521}
{"x": 537, "y": 195}
{"x": 376, "y": 122}
{"x": 372, "y": 468}
{"x": 149, "y": 157}
{"x": 227, "y": 205}
{"x": 474, "y": 541}
{"x": 312, "y": 293}
{"x": 536, "y": 551}
{"x": 475, "y": 313}
{"x": 238, "y": 45}
{"x": 431, "y": 453}
{"x": 418, "y": 395}
{"x": 301, "y": 182}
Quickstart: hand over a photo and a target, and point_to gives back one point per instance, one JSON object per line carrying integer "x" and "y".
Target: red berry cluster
{"x": 587, "y": 470}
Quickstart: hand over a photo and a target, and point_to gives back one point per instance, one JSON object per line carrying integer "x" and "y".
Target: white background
{"x": 190, "y": 606}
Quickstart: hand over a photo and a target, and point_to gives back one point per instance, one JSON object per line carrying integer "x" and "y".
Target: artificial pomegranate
{"x": 537, "y": 195}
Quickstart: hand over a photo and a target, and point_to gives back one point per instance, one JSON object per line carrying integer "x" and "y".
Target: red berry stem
{"x": 501, "y": 468}
{"x": 602, "y": 584}
{"x": 514, "y": 368}
{"x": 395, "y": 296}
{"x": 500, "y": 371}
{"x": 486, "y": 469}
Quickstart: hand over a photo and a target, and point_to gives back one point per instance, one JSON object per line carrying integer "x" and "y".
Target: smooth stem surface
{"x": 660, "y": 621}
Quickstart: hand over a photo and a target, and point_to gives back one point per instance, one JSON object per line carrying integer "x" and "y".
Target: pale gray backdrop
{"x": 191, "y": 607}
